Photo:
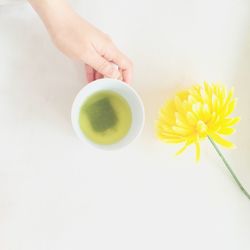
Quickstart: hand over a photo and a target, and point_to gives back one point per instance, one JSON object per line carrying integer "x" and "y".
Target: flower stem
{"x": 229, "y": 168}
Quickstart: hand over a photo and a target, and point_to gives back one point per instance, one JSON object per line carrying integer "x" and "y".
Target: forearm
{"x": 50, "y": 11}
{"x": 45, "y": 7}
{"x": 42, "y": 6}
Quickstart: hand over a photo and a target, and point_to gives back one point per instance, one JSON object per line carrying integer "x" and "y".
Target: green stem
{"x": 229, "y": 168}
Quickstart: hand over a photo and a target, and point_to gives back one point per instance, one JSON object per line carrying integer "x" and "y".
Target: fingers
{"x": 98, "y": 75}
{"x": 90, "y": 73}
{"x": 103, "y": 66}
{"x": 124, "y": 64}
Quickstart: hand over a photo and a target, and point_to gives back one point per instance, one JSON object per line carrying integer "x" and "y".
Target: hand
{"x": 79, "y": 40}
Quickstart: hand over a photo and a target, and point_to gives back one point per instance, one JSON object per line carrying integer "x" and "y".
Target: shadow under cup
{"x": 124, "y": 90}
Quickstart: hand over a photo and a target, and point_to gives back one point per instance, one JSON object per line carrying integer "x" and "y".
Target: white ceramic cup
{"x": 121, "y": 88}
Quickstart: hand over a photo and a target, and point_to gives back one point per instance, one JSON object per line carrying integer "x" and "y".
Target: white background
{"x": 59, "y": 194}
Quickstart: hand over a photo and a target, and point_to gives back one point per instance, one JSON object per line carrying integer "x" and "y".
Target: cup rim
{"x": 93, "y": 87}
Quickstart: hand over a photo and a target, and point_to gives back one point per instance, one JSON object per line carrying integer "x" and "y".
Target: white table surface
{"x": 59, "y": 194}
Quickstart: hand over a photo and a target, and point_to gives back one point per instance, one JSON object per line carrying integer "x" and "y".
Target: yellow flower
{"x": 197, "y": 113}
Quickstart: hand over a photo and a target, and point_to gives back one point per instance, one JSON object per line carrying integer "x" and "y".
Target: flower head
{"x": 196, "y": 113}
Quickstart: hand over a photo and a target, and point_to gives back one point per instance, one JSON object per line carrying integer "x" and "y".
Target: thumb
{"x": 104, "y": 67}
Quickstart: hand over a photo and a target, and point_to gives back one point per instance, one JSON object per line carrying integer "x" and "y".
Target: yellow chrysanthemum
{"x": 194, "y": 114}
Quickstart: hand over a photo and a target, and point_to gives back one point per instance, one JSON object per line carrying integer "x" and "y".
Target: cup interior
{"x": 124, "y": 90}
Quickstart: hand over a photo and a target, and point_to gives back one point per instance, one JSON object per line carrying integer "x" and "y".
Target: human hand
{"x": 79, "y": 40}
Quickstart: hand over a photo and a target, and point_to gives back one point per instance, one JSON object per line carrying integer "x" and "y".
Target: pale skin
{"x": 81, "y": 41}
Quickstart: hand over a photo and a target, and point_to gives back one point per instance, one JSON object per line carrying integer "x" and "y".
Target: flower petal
{"x": 188, "y": 143}
{"x": 226, "y": 131}
{"x": 221, "y": 141}
{"x": 196, "y": 113}
{"x": 181, "y": 131}
{"x": 174, "y": 141}
{"x": 228, "y": 122}
{"x": 191, "y": 118}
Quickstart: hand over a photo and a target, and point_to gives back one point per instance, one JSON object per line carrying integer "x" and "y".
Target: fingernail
{"x": 116, "y": 74}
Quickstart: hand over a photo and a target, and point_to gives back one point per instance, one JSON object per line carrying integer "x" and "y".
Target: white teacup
{"x": 124, "y": 90}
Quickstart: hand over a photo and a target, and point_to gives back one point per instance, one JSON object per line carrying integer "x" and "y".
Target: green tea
{"x": 105, "y": 117}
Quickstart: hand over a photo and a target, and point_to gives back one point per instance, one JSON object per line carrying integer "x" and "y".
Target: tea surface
{"x": 105, "y": 117}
